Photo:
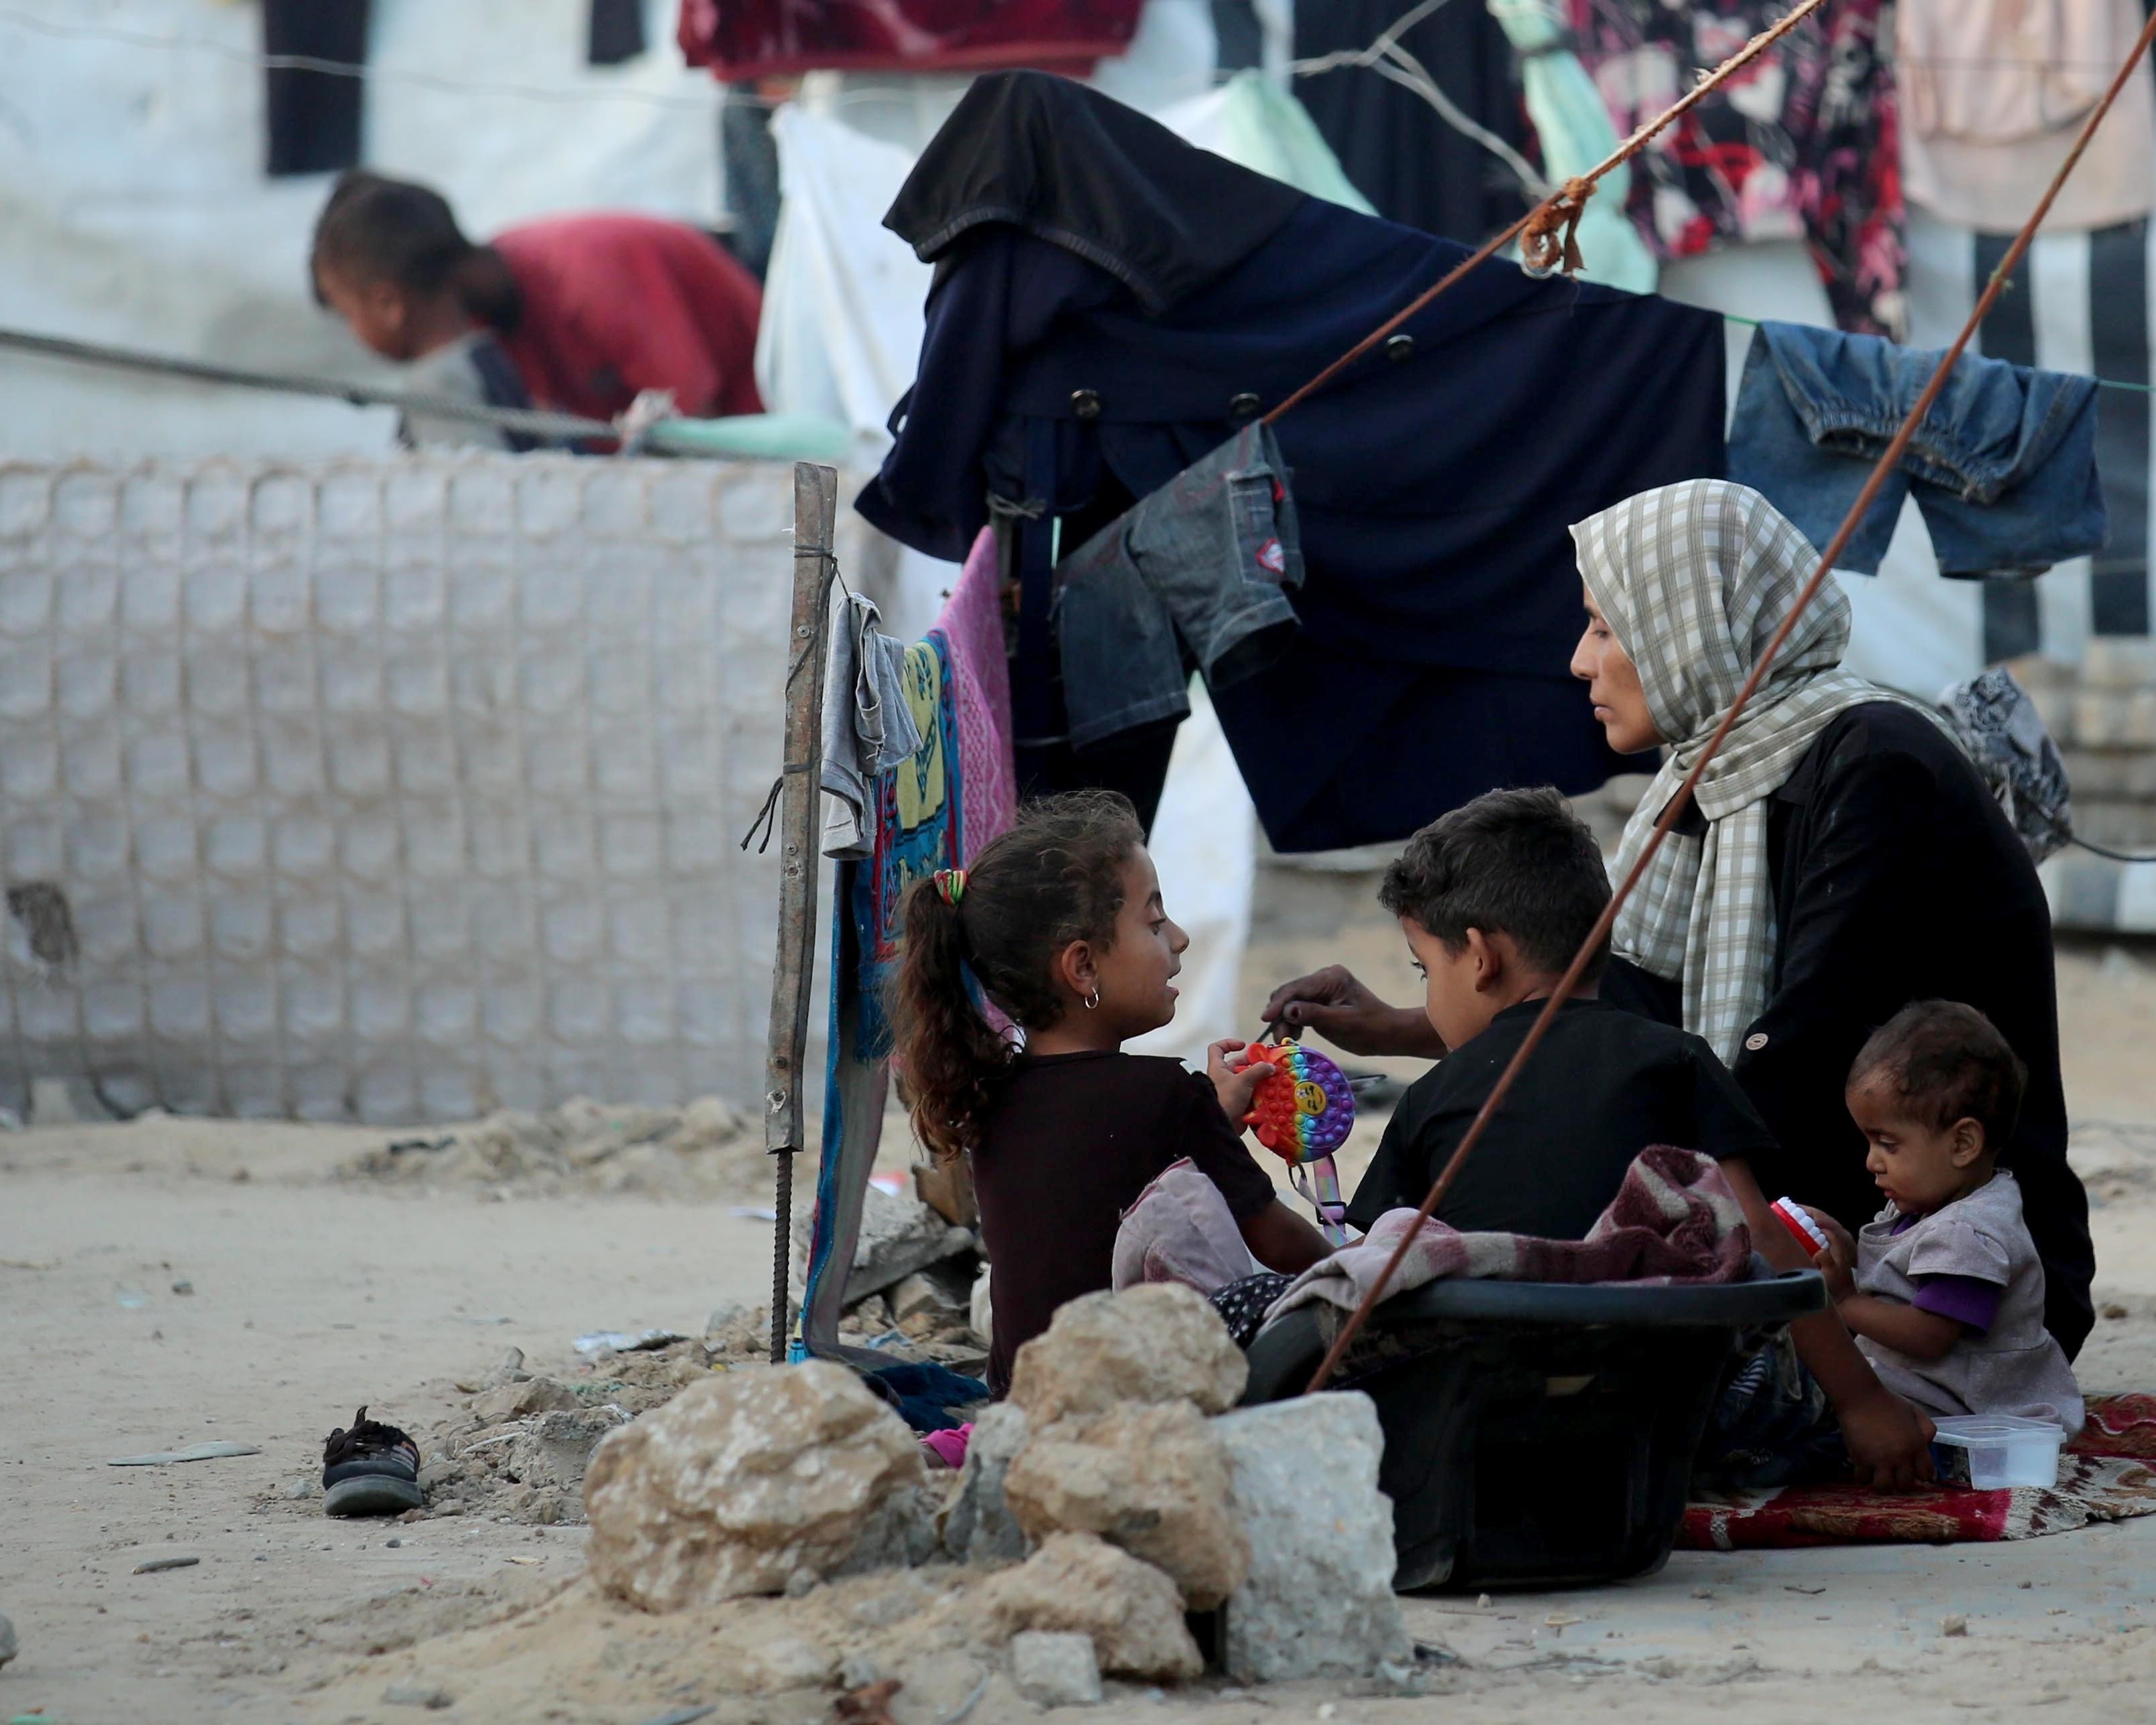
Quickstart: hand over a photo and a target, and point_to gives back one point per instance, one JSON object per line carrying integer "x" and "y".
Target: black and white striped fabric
{"x": 2077, "y": 302}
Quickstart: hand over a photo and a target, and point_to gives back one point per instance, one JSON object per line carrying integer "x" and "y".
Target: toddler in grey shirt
{"x": 1944, "y": 1290}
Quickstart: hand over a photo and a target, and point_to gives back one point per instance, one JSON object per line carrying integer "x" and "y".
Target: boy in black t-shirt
{"x": 1494, "y": 899}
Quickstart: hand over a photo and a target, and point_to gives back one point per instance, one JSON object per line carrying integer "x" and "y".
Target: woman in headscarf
{"x": 1842, "y": 859}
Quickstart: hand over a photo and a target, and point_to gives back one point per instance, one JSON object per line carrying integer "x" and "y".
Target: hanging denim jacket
{"x": 1201, "y": 567}
{"x": 2003, "y": 466}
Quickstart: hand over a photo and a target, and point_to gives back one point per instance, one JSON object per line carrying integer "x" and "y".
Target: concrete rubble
{"x": 1077, "y": 1584}
{"x": 520, "y": 1400}
{"x": 899, "y": 1237}
{"x": 1116, "y": 1490}
{"x": 755, "y": 1482}
{"x": 1318, "y": 1597}
{"x": 1054, "y": 1671}
{"x": 1153, "y": 1480}
{"x": 1159, "y": 1343}
{"x": 705, "y": 1149}
{"x": 979, "y": 1526}
{"x": 553, "y": 1452}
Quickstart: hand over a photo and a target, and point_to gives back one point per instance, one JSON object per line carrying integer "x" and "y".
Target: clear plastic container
{"x": 2005, "y": 1450}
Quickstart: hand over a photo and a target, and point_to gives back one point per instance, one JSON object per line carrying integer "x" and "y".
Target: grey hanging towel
{"x": 314, "y": 117}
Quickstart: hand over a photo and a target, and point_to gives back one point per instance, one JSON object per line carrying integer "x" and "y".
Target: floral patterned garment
{"x": 1801, "y": 144}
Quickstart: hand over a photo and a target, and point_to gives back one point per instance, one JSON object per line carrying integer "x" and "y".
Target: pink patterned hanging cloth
{"x": 972, "y": 626}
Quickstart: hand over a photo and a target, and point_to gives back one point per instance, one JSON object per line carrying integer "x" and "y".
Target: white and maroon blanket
{"x": 1673, "y": 1220}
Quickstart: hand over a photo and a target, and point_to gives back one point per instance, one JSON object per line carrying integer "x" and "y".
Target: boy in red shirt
{"x": 589, "y": 309}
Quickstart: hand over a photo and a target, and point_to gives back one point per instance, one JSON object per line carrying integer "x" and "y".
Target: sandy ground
{"x": 310, "y": 1296}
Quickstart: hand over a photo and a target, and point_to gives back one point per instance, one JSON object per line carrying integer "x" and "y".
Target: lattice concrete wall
{"x": 388, "y": 791}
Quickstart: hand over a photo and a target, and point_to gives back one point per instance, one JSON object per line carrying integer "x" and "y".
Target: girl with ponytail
{"x": 1060, "y": 924}
{"x": 581, "y": 312}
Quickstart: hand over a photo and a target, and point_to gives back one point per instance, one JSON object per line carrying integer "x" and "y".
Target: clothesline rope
{"x": 666, "y": 436}
{"x": 1753, "y": 323}
{"x": 537, "y": 423}
{"x": 1546, "y": 232}
{"x": 1390, "y": 60}
{"x": 1570, "y": 981}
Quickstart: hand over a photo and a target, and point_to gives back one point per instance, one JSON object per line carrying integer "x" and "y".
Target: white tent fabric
{"x": 842, "y": 316}
{"x": 1252, "y": 120}
{"x": 1204, "y": 843}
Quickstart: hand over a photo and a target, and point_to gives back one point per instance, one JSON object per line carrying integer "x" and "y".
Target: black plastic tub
{"x": 1536, "y": 1433}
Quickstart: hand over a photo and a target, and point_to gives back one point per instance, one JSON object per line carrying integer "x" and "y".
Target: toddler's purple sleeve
{"x": 1966, "y": 1299}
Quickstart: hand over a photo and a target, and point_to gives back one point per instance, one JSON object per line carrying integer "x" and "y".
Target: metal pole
{"x": 815, "y": 519}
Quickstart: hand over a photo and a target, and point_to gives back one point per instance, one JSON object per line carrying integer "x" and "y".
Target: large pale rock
{"x": 751, "y": 1479}
{"x": 1083, "y": 1586}
{"x": 977, "y": 1527}
{"x": 1159, "y": 1342}
{"x": 1318, "y": 1599}
{"x": 1154, "y": 1481}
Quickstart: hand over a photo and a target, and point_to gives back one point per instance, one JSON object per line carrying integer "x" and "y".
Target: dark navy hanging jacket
{"x": 1083, "y": 361}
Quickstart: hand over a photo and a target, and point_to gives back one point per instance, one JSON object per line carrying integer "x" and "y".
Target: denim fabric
{"x": 1201, "y": 565}
{"x": 2003, "y": 466}
{"x": 1122, "y": 665}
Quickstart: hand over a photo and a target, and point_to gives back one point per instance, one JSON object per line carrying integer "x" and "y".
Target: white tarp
{"x": 1204, "y": 843}
{"x": 842, "y": 315}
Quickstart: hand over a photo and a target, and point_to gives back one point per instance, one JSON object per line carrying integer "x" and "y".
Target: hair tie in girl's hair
{"x": 951, "y": 883}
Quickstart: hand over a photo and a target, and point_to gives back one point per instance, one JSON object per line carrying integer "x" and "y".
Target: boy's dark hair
{"x": 1519, "y": 862}
{"x": 1055, "y": 877}
{"x": 1947, "y": 1062}
{"x": 375, "y": 228}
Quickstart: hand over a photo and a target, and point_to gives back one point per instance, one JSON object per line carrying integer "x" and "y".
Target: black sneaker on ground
{"x": 371, "y": 1470}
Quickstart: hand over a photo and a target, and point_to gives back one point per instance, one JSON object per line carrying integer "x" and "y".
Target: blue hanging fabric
{"x": 918, "y": 830}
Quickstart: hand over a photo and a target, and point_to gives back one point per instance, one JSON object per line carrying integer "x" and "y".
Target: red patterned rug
{"x": 2108, "y": 1474}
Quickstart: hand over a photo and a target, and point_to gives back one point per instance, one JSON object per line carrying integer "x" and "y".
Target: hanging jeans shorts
{"x": 1198, "y": 571}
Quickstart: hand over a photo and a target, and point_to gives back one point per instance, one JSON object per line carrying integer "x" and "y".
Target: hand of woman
{"x": 1333, "y": 1003}
{"x": 1889, "y": 1440}
{"x": 1235, "y": 1079}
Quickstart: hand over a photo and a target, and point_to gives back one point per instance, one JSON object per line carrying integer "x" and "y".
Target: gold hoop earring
{"x": 1092, "y": 1000}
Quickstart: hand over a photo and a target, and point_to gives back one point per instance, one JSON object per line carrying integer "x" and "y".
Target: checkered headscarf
{"x": 1694, "y": 578}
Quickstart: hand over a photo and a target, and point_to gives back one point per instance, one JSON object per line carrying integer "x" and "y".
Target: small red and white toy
{"x": 1793, "y": 1216}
